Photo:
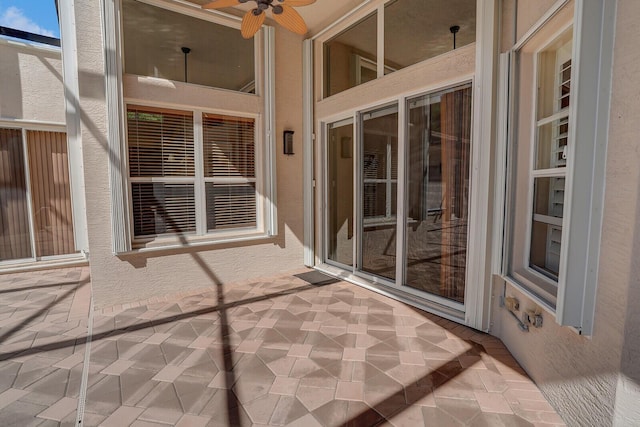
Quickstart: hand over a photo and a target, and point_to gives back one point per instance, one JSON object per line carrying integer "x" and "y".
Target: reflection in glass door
{"x": 378, "y": 185}
{"x": 438, "y": 192}
{"x": 398, "y": 208}
{"x": 340, "y": 192}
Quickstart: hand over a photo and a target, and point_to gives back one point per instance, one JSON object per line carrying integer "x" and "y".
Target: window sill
{"x": 174, "y": 242}
{"x": 63, "y": 261}
{"x": 525, "y": 287}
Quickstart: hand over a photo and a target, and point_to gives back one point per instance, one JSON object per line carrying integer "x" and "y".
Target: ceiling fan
{"x": 282, "y": 11}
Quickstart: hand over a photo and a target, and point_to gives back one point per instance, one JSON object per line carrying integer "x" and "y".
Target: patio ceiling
{"x": 317, "y": 16}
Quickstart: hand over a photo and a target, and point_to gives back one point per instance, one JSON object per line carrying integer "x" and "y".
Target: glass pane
{"x": 340, "y": 193}
{"x": 548, "y": 196}
{"x": 552, "y": 144}
{"x": 153, "y": 41}
{"x": 545, "y": 249}
{"x": 438, "y": 192}
{"x": 230, "y": 206}
{"x": 228, "y": 146}
{"x": 160, "y": 208}
{"x": 15, "y": 234}
{"x": 379, "y": 191}
{"x": 350, "y": 58}
{"x": 160, "y": 142}
{"x": 554, "y": 76}
{"x": 415, "y": 30}
{"x": 546, "y": 231}
{"x": 50, "y": 193}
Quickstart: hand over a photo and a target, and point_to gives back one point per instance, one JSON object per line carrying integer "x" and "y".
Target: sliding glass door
{"x": 378, "y": 180}
{"x": 36, "y": 220}
{"x": 405, "y": 182}
{"x": 438, "y": 192}
{"x": 340, "y": 192}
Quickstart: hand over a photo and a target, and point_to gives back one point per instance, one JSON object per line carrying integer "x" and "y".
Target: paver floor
{"x": 291, "y": 350}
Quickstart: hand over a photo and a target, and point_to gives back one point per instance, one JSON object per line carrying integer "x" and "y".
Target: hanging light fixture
{"x": 454, "y": 30}
{"x": 281, "y": 10}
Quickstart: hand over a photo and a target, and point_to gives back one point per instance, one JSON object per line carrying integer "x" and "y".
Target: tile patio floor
{"x": 278, "y": 351}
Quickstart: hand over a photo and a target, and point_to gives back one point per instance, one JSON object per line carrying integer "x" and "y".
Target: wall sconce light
{"x": 287, "y": 139}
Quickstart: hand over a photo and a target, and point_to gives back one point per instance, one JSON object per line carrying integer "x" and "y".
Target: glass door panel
{"x": 439, "y": 133}
{"x": 15, "y": 231}
{"x": 340, "y": 192}
{"x": 378, "y": 185}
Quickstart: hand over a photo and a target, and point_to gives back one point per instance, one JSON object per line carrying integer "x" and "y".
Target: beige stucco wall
{"x": 121, "y": 279}
{"x": 594, "y": 380}
{"x": 31, "y": 83}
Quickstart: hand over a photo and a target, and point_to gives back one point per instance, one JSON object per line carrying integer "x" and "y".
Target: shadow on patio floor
{"x": 281, "y": 351}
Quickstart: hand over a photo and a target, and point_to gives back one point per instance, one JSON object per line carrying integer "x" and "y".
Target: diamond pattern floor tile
{"x": 301, "y": 350}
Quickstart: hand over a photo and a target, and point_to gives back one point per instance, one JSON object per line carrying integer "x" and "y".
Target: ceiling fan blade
{"x": 291, "y": 20}
{"x": 296, "y": 3}
{"x": 217, "y": 4}
{"x": 251, "y": 23}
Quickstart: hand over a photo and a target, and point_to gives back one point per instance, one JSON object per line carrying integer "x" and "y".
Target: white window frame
{"x": 77, "y": 218}
{"x": 483, "y": 77}
{"x": 592, "y": 60}
{"x": 199, "y": 181}
{"x": 444, "y": 307}
{"x": 122, "y": 232}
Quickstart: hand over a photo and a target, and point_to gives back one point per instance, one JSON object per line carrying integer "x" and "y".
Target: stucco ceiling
{"x": 317, "y": 16}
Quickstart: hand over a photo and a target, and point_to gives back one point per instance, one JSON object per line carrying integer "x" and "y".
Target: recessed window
{"x": 215, "y": 55}
{"x": 350, "y": 58}
{"x": 412, "y": 31}
{"x": 179, "y": 189}
{"x": 538, "y": 218}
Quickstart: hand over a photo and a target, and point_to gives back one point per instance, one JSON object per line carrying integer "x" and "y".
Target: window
{"x": 350, "y": 58}
{"x": 561, "y": 79}
{"x": 180, "y": 189}
{"x": 412, "y": 31}
{"x": 550, "y": 157}
{"x": 543, "y": 147}
{"x": 154, "y": 39}
{"x": 36, "y": 220}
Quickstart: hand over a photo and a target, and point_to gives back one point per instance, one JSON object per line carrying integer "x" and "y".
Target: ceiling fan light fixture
{"x": 282, "y": 12}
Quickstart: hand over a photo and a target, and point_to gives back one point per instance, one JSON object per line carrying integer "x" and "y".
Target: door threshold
{"x": 423, "y": 304}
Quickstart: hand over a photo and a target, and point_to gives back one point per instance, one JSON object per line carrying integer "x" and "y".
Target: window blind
{"x": 50, "y": 193}
{"x": 228, "y": 146}
{"x": 15, "y": 236}
{"x": 230, "y": 206}
{"x": 165, "y": 176}
{"x": 160, "y": 142}
{"x": 160, "y": 208}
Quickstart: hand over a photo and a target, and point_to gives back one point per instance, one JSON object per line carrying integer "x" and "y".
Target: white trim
{"x": 499, "y": 199}
{"x": 200, "y": 203}
{"x": 116, "y": 136}
{"x": 339, "y": 22}
{"x": 164, "y": 243}
{"x": 77, "y": 259}
{"x": 32, "y": 125}
{"x": 550, "y": 13}
{"x": 12, "y": 42}
{"x": 477, "y": 298}
{"x": 307, "y": 151}
{"x": 546, "y": 173}
{"x": 593, "y": 39}
{"x": 380, "y": 42}
{"x": 401, "y": 190}
{"x": 27, "y": 180}
{"x": 270, "y": 165}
